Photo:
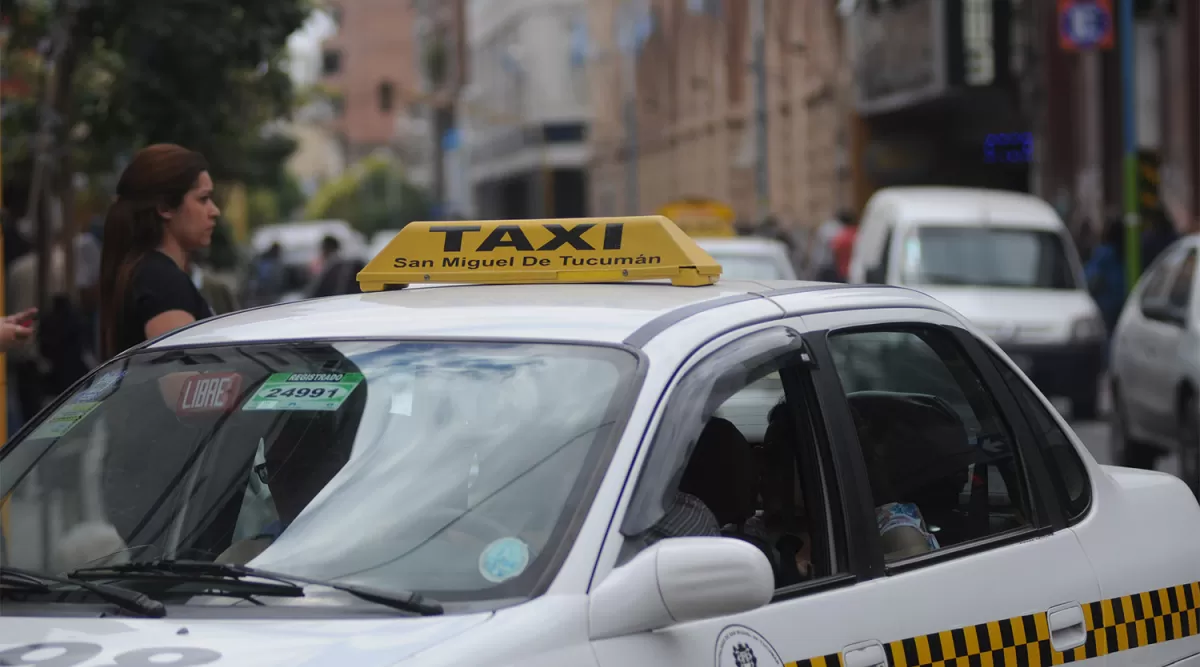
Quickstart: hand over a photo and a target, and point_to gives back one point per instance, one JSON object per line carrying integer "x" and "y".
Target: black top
{"x": 156, "y": 286}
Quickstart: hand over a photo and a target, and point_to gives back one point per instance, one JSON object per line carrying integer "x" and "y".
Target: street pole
{"x": 626, "y": 28}
{"x": 1133, "y": 239}
{"x": 758, "y": 26}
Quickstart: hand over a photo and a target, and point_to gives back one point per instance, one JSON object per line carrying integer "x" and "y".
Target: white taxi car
{"x": 528, "y": 471}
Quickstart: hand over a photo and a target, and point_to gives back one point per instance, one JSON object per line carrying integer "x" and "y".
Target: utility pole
{"x": 626, "y": 29}
{"x": 1133, "y": 237}
{"x": 758, "y": 22}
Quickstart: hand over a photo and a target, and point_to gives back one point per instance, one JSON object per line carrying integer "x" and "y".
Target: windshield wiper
{"x": 189, "y": 570}
{"x": 124, "y": 598}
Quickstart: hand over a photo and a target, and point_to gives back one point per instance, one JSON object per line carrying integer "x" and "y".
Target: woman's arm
{"x": 168, "y": 321}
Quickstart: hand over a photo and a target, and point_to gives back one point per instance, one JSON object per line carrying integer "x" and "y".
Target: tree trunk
{"x": 51, "y": 135}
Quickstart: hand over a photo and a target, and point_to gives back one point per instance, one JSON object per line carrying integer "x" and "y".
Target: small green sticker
{"x": 64, "y": 419}
{"x": 304, "y": 391}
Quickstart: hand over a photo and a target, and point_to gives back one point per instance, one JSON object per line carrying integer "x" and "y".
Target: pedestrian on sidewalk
{"x": 163, "y": 212}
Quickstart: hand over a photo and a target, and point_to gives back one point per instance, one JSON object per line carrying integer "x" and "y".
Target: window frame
{"x": 854, "y": 563}
{"x": 1045, "y": 514}
{"x": 1041, "y": 442}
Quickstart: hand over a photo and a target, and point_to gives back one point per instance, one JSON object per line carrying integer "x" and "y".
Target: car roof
{"x": 934, "y": 204}
{"x": 597, "y": 313}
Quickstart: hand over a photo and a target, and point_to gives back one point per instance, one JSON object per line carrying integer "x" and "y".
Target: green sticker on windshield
{"x": 304, "y": 391}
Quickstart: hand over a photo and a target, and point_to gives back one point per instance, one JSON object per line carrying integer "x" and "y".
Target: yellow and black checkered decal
{"x": 1113, "y": 625}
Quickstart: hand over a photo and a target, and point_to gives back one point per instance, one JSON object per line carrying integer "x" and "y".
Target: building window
{"x": 331, "y": 62}
{"x": 387, "y": 96}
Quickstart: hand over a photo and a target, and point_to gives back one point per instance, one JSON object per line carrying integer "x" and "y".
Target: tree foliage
{"x": 207, "y": 74}
{"x": 372, "y": 195}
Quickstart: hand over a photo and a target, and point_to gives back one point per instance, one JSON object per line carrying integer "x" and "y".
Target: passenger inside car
{"x": 902, "y": 528}
{"x": 782, "y": 523}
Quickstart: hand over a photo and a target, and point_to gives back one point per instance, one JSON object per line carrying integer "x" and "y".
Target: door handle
{"x": 1067, "y": 627}
{"x": 865, "y": 654}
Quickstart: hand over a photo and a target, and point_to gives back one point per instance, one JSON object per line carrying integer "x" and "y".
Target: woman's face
{"x": 192, "y": 224}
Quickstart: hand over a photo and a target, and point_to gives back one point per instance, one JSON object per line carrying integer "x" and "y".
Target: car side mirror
{"x": 679, "y": 580}
{"x": 876, "y": 275}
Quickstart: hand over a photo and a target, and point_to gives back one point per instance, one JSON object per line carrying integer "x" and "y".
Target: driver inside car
{"x": 299, "y": 463}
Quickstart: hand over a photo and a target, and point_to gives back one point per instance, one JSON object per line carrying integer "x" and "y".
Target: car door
{"x": 1148, "y": 595}
{"x": 1009, "y": 594}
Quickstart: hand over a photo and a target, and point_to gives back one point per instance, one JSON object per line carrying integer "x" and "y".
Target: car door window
{"x": 1180, "y": 294}
{"x": 1067, "y": 469}
{"x": 1158, "y": 279}
{"x": 736, "y": 455}
{"x": 942, "y": 463}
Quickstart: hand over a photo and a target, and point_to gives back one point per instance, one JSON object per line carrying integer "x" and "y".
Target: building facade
{"x": 370, "y": 64}
{"x": 676, "y": 110}
{"x": 524, "y": 110}
{"x": 441, "y": 43}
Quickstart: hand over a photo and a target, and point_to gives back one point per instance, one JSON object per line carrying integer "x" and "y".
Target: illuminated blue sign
{"x": 1008, "y": 148}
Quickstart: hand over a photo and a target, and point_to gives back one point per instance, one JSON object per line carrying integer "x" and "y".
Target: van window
{"x": 987, "y": 257}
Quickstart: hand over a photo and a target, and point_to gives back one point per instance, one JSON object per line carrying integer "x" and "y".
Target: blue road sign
{"x": 1085, "y": 24}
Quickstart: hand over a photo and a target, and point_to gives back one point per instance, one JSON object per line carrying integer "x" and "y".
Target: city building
{"x": 441, "y": 43}
{"x": 1177, "y": 32}
{"x": 937, "y": 86}
{"x": 677, "y": 111}
{"x": 371, "y": 66}
{"x": 524, "y": 109}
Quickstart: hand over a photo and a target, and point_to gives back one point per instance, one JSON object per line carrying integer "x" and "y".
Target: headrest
{"x": 920, "y": 436}
{"x": 721, "y": 472}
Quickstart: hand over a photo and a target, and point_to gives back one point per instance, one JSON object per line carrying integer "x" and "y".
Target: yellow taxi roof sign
{"x": 564, "y": 250}
{"x": 699, "y": 217}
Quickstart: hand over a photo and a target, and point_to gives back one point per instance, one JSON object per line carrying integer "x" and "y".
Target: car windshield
{"x": 458, "y": 470}
{"x": 987, "y": 257}
{"x": 737, "y": 265}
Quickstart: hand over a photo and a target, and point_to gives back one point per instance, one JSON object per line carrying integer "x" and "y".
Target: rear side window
{"x": 1072, "y": 486}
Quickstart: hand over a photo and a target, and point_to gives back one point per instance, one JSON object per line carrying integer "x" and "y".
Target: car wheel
{"x": 1126, "y": 451}
{"x": 1189, "y": 444}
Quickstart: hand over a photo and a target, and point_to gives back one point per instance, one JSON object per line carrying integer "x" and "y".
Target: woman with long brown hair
{"x": 163, "y": 211}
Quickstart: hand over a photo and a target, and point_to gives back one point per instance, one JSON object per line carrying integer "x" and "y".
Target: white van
{"x": 1006, "y": 261}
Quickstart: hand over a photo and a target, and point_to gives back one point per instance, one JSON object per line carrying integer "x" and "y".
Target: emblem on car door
{"x": 739, "y": 646}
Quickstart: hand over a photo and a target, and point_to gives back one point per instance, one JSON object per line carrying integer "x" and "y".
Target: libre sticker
{"x": 208, "y": 393}
{"x": 739, "y": 646}
{"x": 503, "y": 559}
{"x": 304, "y": 391}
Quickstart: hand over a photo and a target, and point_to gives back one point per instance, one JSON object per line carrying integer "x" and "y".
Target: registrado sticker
{"x": 304, "y": 391}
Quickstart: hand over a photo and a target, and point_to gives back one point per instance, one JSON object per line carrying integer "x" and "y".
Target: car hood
{"x": 240, "y": 642}
{"x": 1022, "y": 316}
